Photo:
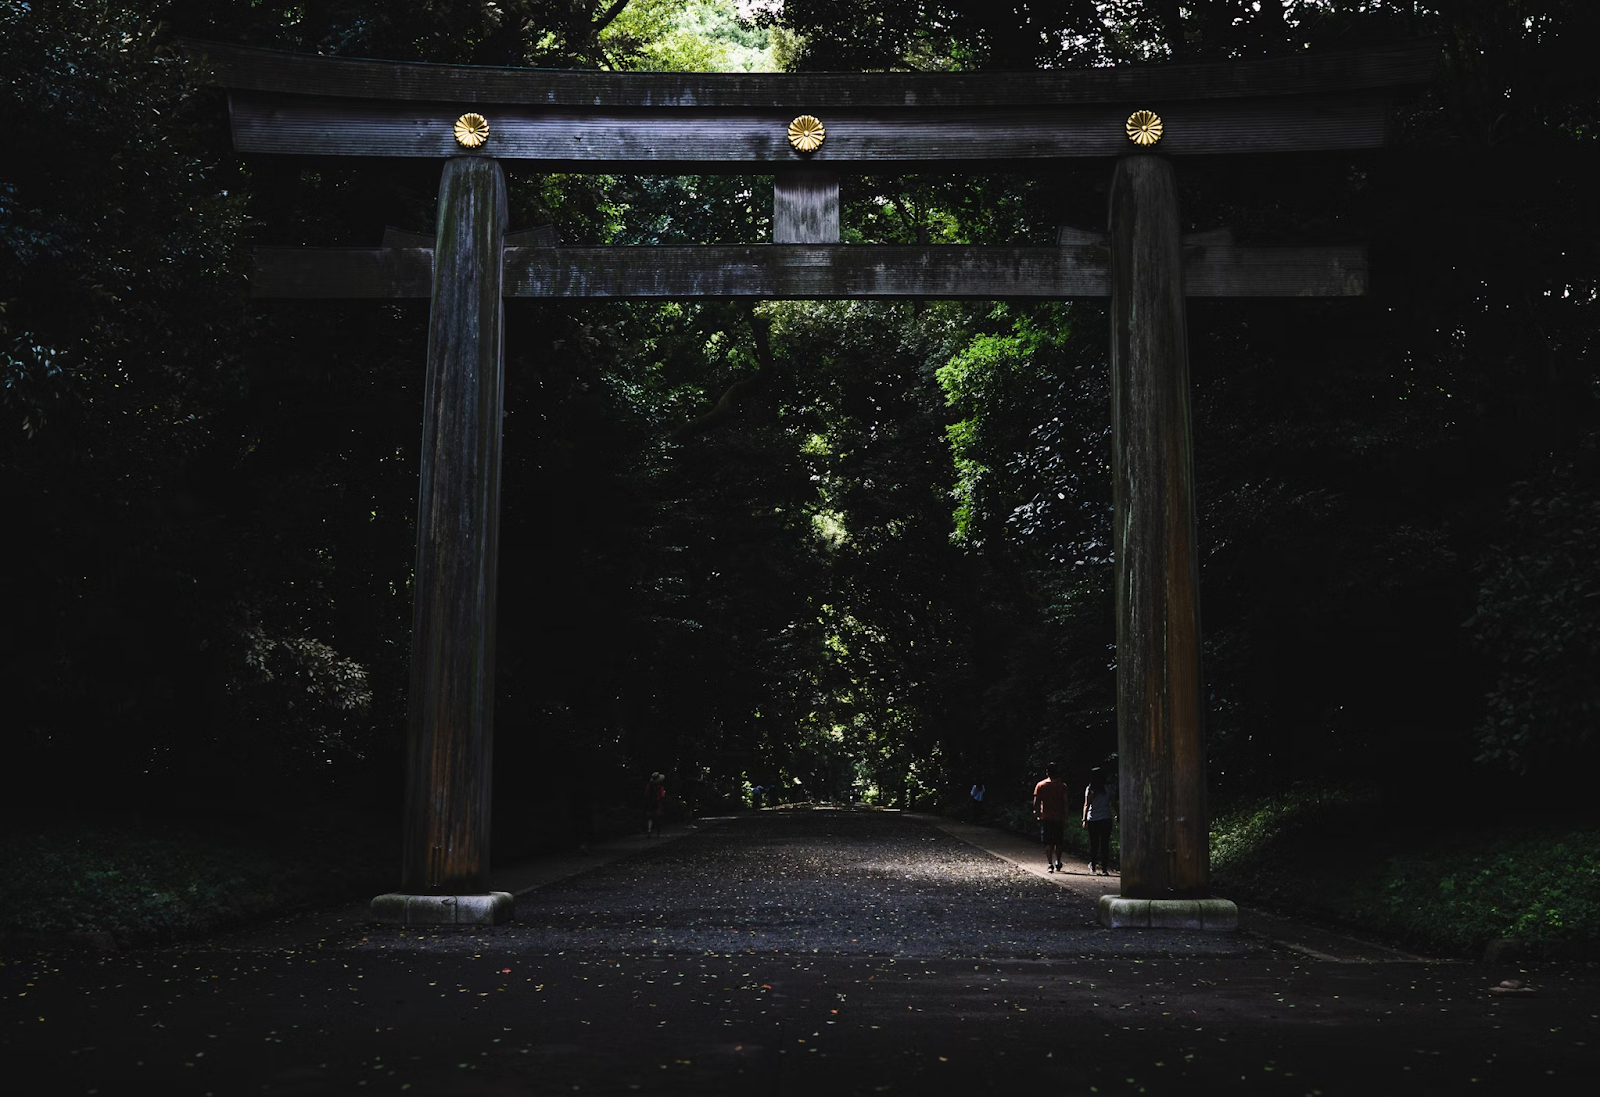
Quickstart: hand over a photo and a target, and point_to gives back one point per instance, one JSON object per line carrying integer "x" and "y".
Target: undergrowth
{"x": 148, "y": 883}
{"x": 1333, "y": 853}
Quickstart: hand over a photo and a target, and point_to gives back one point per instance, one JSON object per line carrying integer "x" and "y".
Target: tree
{"x": 861, "y": 546}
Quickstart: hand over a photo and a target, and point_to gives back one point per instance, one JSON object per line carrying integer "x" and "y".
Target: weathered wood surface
{"x": 1397, "y": 65}
{"x": 450, "y": 736}
{"x": 801, "y": 271}
{"x": 1071, "y": 235}
{"x": 795, "y": 271}
{"x": 1161, "y": 753}
{"x": 805, "y": 206}
{"x": 671, "y": 141}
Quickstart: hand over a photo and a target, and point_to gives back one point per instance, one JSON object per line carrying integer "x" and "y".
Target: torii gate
{"x": 805, "y": 129}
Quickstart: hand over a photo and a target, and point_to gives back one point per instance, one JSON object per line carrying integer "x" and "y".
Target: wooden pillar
{"x": 805, "y": 206}
{"x": 1162, "y": 782}
{"x": 451, "y": 727}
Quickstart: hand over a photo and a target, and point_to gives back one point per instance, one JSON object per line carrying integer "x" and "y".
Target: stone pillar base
{"x": 1213, "y": 914}
{"x": 396, "y": 908}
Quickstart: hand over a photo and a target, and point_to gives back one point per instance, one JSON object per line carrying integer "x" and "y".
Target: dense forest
{"x": 841, "y": 549}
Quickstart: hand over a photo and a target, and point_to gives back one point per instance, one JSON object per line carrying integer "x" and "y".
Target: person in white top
{"x": 1097, "y": 818}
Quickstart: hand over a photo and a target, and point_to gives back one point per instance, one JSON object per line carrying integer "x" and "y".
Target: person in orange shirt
{"x": 1050, "y": 808}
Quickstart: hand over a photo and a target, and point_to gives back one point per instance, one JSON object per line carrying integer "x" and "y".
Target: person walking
{"x": 655, "y": 804}
{"x": 1097, "y": 818}
{"x": 1050, "y": 808}
{"x": 976, "y": 796}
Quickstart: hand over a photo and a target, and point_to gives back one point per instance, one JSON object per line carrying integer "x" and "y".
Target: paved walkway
{"x": 783, "y": 953}
{"x": 313, "y": 928}
{"x": 346, "y": 923}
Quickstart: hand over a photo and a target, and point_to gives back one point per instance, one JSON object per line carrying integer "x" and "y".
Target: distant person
{"x": 1050, "y": 808}
{"x": 655, "y": 804}
{"x": 1097, "y": 817}
{"x": 755, "y": 796}
{"x": 977, "y": 801}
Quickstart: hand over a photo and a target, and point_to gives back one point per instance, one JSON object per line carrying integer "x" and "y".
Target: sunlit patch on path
{"x": 829, "y": 882}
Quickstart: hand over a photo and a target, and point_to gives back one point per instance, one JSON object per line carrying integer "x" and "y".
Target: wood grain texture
{"x": 802, "y": 271}
{"x": 1160, "y": 749}
{"x": 450, "y": 732}
{"x": 805, "y": 206}
{"x": 675, "y": 141}
{"x": 1069, "y": 235}
{"x": 1398, "y": 65}
{"x": 807, "y": 271}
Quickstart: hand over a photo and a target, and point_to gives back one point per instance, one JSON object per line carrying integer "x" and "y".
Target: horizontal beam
{"x": 676, "y": 141}
{"x": 809, "y": 271}
{"x": 1397, "y": 65}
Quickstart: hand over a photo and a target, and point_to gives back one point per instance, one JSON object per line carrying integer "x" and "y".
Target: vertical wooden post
{"x": 805, "y": 206}
{"x": 1164, "y": 830}
{"x": 451, "y": 727}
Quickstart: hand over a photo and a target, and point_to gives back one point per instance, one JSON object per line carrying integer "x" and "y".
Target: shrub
{"x": 1330, "y": 852}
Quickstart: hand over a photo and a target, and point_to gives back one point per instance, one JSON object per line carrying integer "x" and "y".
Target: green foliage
{"x": 1448, "y": 885}
{"x": 1540, "y": 886}
{"x": 883, "y": 562}
{"x": 300, "y": 703}
{"x": 858, "y": 423}
{"x": 698, "y": 36}
{"x": 122, "y": 282}
{"x": 1538, "y": 615}
{"x": 117, "y": 210}
{"x": 923, "y": 35}
{"x": 149, "y": 883}
{"x": 692, "y": 209}
{"x": 1032, "y": 462}
{"x": 997, "y": 381}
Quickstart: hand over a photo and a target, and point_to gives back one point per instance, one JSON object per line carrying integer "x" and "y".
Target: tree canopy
{"x": 838, "y": 548}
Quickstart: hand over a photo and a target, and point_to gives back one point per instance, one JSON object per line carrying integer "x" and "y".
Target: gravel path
{"x": 785, "y": 954}
{"x": 820, "y": 881}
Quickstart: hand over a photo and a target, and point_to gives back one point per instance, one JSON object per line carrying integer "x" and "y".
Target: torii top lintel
{"x": 666, "y": 122}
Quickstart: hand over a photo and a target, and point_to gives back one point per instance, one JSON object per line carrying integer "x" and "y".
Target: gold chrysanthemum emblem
{"x": 806, "y": 133}
{"x": 472, "y": 130}
{"x": 1144, "y": 127}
